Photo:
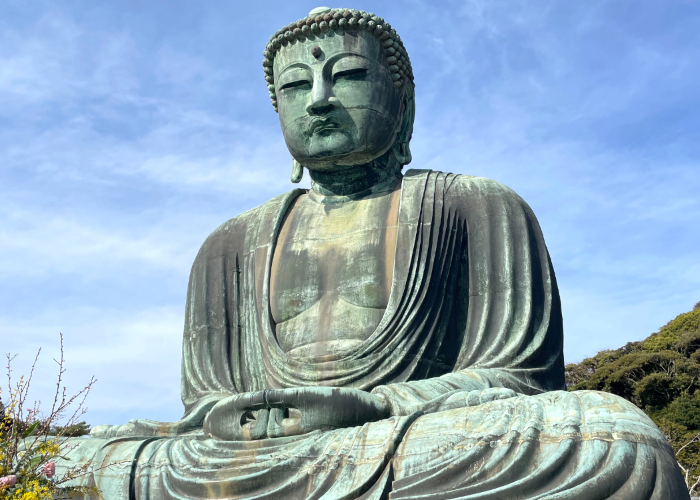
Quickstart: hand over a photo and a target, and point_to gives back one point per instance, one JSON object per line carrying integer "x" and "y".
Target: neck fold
{"x": 357, "y": 178}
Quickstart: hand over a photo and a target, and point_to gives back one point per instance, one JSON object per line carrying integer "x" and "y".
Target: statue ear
{"x": 402, "y": 151}
{"x": 297, "y": 171}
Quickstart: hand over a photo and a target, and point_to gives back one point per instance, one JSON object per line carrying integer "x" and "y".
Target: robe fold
{"x": 473, "y": 305}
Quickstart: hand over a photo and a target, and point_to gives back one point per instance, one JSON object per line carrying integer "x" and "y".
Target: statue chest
{"x": 331, "y": 273}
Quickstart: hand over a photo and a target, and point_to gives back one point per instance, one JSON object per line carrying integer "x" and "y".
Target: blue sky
{"x": 130, "y": 130}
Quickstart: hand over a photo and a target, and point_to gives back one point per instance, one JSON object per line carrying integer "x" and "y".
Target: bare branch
{"x": 28, "y": 442}
{"x": 695, "y": 438}
{"x": 61, "y": 371}
{"x": 691, "y": 489}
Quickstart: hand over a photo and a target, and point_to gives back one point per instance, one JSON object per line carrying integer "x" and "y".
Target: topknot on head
{"x": 324, "y": 19}
{"x": 319, "y": 10}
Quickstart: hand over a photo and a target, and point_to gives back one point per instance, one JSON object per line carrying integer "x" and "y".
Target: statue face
{"x": 336, "y": 100}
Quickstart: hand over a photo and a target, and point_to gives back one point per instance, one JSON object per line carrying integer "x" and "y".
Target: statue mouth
{"x": 322, "y": 125}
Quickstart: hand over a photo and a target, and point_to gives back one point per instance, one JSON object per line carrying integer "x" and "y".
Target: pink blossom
{"x": 8, "y": 481}
{"x": 49, "y": 469}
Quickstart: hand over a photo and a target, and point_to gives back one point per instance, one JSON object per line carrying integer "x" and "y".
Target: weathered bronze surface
{"x": 381, "y": 335}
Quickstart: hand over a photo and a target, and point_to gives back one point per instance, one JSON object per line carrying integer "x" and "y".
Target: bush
{"x": 685, "y": 411}
{"x": 661, "y": 375}
{"x": 654, "y": 390}
{"x": 671, "y": 333}
{"x": 73, "y": 430}
{"x": 31, "y": 442}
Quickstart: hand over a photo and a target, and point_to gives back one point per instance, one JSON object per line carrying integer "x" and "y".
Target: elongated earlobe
{"x": 297, "y": 172}
{"x": 402, "y": 151}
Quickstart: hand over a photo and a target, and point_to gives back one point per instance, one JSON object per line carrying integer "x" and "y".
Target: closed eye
{"x": 351, "y": 74}
{"x": 296, "y": 84}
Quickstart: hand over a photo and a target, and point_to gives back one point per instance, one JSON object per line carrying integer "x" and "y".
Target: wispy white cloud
{"x": 134, "y": 355}
{"x": 38, "y": 243}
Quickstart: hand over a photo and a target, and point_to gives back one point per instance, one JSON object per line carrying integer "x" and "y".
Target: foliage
{"x": 31, "y": 443}
{"x": 661, "y": 375}
{"x": 670, "y": 334}
{"x": 72, "y": 430}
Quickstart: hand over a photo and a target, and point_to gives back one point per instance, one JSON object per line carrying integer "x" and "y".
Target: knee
{"x": 605, "y": 411}
{"x": 604, "y": 403}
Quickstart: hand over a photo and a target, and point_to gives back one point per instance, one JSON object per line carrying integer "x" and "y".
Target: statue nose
{"x": 322, "y": 101}
{"x": 319, "y": 108}
{"x": 322, "y": 106}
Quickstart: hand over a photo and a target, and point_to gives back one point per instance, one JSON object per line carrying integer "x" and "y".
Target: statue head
{"x": 342, "y": 84}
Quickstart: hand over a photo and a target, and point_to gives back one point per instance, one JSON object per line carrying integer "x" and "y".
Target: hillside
{"x": 661, "y": 375}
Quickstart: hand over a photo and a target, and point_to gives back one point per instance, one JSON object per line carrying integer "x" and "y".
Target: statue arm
{"x": 463, "y": 388}
{"x": 505, "y": 332}
{"x": 206, "y": 360}
{"x": 212, "y": 354}
{"x": 152, "y": 428}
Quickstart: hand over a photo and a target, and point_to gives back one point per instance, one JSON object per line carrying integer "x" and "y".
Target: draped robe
{"x": 473, "y": 305}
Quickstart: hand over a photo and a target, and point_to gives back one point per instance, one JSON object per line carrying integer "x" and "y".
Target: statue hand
{"x": 322, "y": 408}
{"x": 241, "y": 417}
{"x": 288, "y": 412}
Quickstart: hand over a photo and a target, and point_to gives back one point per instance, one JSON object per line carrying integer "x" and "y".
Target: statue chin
{"x": 402, "y": 342}
{"x": 338, "y": 151}
{"x": 331, "y": 143}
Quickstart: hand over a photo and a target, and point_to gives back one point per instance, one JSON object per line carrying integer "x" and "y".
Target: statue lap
{"x": 578, "y": 445}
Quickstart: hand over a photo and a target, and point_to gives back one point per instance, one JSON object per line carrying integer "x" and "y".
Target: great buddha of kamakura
{"x": 388, "y": 333}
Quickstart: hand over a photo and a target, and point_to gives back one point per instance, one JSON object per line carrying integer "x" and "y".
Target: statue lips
{"x": 321, "y": 125}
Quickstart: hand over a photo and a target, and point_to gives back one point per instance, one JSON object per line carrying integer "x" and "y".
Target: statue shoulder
{"x": 489, "y": 189}
{"x": 233, "y": 234}
{"x": 479, "y": 194}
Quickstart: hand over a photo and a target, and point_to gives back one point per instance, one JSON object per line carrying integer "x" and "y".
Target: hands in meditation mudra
{"x": 289, "y": 412}
{"x": 382, "y": 335}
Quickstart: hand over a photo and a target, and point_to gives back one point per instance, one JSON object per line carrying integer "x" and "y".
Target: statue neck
{"x": 357, "y": 178}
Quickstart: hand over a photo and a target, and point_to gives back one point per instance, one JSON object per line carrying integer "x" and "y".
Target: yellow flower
{"x": 31, "y": 490}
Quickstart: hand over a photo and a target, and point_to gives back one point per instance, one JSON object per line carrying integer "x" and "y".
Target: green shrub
{"x": 654, "y": 390}
{"x": 661, "y": 375}
{"x": 685, "y": 411}
{"x": 671, "y": 333}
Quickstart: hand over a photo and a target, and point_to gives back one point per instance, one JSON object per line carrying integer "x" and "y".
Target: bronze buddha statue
{"x": 386, "y": 334}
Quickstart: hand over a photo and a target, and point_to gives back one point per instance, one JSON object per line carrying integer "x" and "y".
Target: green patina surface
{"x": 383, "y": 335}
